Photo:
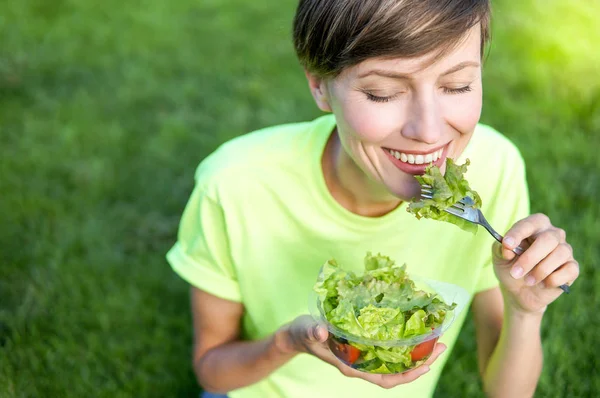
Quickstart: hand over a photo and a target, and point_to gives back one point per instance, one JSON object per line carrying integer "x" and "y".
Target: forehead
{"x": 467, "y": 49}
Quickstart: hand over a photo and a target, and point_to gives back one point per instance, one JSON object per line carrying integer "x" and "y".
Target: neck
{"x": 350, "y": 186}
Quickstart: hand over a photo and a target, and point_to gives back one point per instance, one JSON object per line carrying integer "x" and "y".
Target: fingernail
{"x": 317, "y": 331}
{"x": 530, "y": 280}
{"x": 324, "y": 331}
{"x": 508, "y": 241}
{"x": 516, "y": 272}
{"x": 426, "y": 369}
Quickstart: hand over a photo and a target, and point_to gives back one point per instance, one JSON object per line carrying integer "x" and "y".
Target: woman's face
{"x": 396, "y": 116}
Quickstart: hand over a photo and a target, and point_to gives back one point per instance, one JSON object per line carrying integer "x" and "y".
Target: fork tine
{"x": 459, "y": 205}
{"x": 455, "y": 211}
{"x": 467, "y": 201}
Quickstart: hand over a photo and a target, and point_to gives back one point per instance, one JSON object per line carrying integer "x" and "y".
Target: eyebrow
{"x": 395, "y": 75}
{"x": 460, "y": 66}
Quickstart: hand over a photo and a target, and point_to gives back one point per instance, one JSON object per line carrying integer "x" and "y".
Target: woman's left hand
{"x": 530, "y": 282}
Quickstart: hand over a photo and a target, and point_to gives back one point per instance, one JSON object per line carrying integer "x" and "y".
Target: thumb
{"x": 502, "y": 255}
{"x": 317, "y": 333}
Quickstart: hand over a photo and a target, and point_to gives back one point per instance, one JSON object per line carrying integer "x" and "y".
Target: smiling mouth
{"x": 416, "y": 158}
{"x": 415, "y": 163}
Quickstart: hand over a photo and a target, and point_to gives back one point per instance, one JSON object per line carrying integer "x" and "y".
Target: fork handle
{"x": 517, "y": 250}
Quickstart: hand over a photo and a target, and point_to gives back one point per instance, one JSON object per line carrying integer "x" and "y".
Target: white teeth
{"x": 416, "y": 159}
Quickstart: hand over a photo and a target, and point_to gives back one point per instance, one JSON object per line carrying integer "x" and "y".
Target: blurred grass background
{"x": 107, "y": 107}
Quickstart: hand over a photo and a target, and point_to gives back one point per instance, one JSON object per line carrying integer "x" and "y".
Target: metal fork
{"x": 465, "y": 210}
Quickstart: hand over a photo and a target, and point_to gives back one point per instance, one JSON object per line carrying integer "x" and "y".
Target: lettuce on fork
{"x": 447, "y": 190}
{"x": 383, "y": 304}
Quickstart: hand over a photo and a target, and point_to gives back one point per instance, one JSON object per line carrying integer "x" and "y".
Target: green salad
{"x": 447, "y": 190}
{"x": 383, "y": 305}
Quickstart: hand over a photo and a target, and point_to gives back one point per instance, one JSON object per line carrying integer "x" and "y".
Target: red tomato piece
{"x": 423, "y": 350}
{"x": 345, "y": 352}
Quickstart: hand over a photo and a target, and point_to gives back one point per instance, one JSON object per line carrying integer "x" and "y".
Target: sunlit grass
{"x": 105, "y": 110}
{"x": 556, "y": 43}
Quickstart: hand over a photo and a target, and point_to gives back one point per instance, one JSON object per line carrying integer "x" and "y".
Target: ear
{"x": 319, "y": 91}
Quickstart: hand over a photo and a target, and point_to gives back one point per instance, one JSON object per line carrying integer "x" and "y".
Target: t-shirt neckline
{"x": 324, "y": 127}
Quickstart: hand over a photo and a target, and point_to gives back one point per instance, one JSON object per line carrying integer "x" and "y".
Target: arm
{"x": 509, "y": 346}
{"x": 511, "y": 361}
{"x": 221, "y": 361}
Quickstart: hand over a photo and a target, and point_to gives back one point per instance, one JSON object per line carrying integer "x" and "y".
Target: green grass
{"x": 107, "y": 107}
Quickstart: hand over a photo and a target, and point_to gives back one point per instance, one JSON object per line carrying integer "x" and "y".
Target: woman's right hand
{"x": 303, "y": 334}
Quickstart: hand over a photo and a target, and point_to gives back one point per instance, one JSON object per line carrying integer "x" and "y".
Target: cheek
{"x": 464, "y": 113}
{"x": 463, "y": 117}
{"x": 365, "y": 121}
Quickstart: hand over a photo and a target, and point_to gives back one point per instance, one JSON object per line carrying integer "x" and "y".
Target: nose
{"x": 424, "y": 121}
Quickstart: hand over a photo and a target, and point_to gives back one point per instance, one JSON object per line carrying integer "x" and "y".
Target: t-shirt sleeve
{"x": 201, "y": 254}
{"x": 511, "y": 204}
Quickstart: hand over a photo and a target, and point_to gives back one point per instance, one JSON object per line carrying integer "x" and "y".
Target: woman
{"x": 400, "y": 81}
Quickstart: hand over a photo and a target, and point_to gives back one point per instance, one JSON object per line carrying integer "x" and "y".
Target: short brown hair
{"x": 331, "y": 35}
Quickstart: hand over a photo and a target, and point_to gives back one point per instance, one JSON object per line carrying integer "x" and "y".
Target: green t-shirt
{"x": 260, "y": 223}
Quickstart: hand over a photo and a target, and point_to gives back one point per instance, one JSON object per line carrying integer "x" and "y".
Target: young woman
{"x": 400, "y": 82}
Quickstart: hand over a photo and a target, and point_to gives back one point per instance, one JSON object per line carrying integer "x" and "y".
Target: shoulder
{"x": 497, "y": 172}
{"x": 491, "y": 147}
{"x": 496, "y": 164}
{"x": 248, "y": 158}
{"x": 492, "y": 155}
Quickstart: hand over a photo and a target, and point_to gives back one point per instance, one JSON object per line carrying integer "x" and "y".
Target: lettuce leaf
{"x": 344, "y": 317}
{"x": 382, "y": 304}
{"x": 447, "y": 190}
{"x": 394, "y": 355}
{"x": 416, "y": 324}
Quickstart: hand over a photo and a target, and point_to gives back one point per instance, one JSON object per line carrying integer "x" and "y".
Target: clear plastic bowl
{"x": 350, "y": 349}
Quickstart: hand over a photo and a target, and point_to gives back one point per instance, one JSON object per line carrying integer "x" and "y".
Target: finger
{"x": 543, "y": 244}
{"x": 559, "y": 256}
{"x": 437, "y": 351}
{"x": 317, "y": 333}
{"x": 565, "y": 275}
{"x": 525, "y": 228}
{"x": 374, "y": 378}
{"x": 501, "y": 255}
{"x": 306, "y": 328}
{"x": 392, "y": 380}
{"x": 323, "y": 353}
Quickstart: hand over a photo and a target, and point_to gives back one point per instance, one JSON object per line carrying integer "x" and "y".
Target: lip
{"x": 420, "y": 152}
{"x": 417, "y": 169}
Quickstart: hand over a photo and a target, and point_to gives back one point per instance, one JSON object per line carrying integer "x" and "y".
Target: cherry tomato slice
{"x": 345, "y": 352}
{"x": 423, "y": 350}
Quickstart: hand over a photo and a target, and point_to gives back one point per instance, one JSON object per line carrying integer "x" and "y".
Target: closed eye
{"x": 459, "y": 90}
{"x": 376, "y": 98}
